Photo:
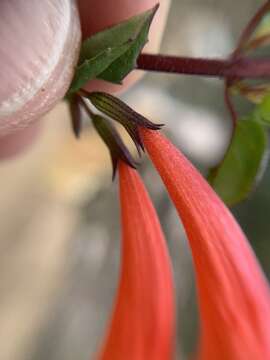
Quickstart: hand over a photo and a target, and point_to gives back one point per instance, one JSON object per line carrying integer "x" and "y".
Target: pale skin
{"x": 94, "y": 16}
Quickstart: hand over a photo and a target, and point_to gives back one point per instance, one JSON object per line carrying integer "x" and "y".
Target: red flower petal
{"x": 234, "y": 297}
{"x": 142, "y": 326}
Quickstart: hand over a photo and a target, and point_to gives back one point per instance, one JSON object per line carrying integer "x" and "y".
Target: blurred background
{"x": 59, "y": 216}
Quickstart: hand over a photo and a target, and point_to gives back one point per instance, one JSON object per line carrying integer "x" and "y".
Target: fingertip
{"x": 40, "y": 43}
{"x": 98, "y": 15}
{"x": 108, "y": 87}
{"x": 19, "y": 142}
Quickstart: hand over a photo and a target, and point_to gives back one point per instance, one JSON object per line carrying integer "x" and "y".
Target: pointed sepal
{"x": 112, "y": 139}
{"x": 76, "y": 114}
{"x": 122, "y": 113}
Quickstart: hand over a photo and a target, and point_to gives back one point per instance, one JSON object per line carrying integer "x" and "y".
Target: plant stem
{"x": 229, "y": 104}
{"x": 228, "y": 68}
{"x": 181, "y": 65}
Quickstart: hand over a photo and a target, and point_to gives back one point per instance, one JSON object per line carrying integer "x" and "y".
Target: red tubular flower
{"x": 234, "y": 298}
{"x": 142, "y": 326}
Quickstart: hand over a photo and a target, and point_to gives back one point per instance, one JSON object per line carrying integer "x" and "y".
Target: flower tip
{"x": 76, "y": 127}
{"x": 76, "y": 115}
{"x": 153, "y": 126}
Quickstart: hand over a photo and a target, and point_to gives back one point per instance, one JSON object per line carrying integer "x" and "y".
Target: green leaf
{"x": 262, "y": 110}
{"x": 116, "y": 35}
{"x": 111, "y": 54}
{"x": 122, "y": 66}
{"x": 243, "y": 164}
{"x": 89, "y": 69}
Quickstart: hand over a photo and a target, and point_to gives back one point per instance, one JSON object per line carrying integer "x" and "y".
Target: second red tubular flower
{"x": 142, "y": 325}
{"x": 233, "y": 294}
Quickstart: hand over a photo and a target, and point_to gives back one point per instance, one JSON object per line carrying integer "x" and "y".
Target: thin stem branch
{"x": 250, "y": 28}
{"x": 229, "y": 104}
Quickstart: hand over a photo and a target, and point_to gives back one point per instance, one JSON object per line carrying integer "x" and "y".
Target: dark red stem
{"x": 181, "y": 65}
{"x": 229, "y": 68}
